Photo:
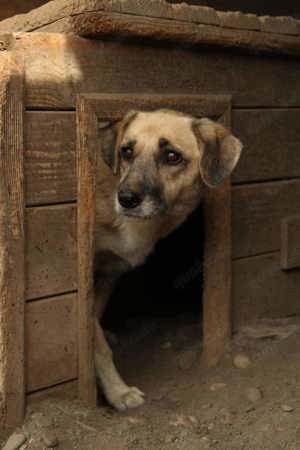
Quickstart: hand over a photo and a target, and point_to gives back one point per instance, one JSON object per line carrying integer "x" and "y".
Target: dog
{"x": 157, "y": 167}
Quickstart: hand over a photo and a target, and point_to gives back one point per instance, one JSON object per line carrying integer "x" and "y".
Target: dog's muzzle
{"x": 139, "y": 204}
{"x": 129, "y": 199}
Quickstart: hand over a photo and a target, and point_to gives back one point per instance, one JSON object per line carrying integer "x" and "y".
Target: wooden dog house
{"x": 69, "y": 65}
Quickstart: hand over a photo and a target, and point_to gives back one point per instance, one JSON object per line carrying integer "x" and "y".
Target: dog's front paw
{"x": 126, "y": 398}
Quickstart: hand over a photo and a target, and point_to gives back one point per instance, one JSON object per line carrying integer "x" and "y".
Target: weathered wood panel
{"x": 51, "y": 254}
{"x": 87, "y": 142}
{"x": 101, "y": 25}
{"x": 217, "y": 300}
{"x": 271, "y": 143}
{"x": 51, "y": 341}
{"x": 257, "y": 213}
{"x": 115, "y": 106}
{"x": 290, "y": 242}
{"x": 12, "y": 385}
{"x": 59, "y": 66}
{"x": 181, "y": 24}
{"x": 50, "y": 140}
{"x": 217, "y": 284}
{"x": 262, "y": 290}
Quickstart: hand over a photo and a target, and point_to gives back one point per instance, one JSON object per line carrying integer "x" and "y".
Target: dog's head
{"x": 164, "y": 157}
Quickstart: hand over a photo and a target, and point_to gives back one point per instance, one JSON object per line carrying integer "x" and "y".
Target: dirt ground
{"x": 187, "y": 407}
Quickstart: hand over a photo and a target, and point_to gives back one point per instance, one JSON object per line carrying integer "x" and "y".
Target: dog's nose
{"x": 129, "y": 199}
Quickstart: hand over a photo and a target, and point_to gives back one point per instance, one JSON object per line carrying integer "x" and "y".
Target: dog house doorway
{"x": 214, "y": 263}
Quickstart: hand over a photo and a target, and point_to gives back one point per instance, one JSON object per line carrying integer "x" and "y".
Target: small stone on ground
{"x": 15, "y": 441}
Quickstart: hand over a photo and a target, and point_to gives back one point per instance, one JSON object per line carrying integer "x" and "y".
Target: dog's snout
{"x": 129, "y": 199}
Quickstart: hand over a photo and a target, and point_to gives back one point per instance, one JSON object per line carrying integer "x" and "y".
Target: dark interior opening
{"x": 167, "y": 288}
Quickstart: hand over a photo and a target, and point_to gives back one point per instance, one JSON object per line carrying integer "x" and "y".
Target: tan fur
{"x": 211, "y": 152}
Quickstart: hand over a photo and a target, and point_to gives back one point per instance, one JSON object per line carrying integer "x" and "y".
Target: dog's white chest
{"x": 127, "y": 241}
{"x": 134, "y": 245}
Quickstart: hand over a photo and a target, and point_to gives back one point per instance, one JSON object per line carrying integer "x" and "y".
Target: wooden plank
{"x": 51, "y": 341}
{"x": 217, "y": 282}
{"x": 115, "y": 106}
{"x": 100, "y": 25}
{"x": 50, "y": 172}
{"x": 51, "y": 254}
{"x": 87, "y": 141}
{"x": 262, "y": 290}
{"x": 271, "y": 144}
{"x": 257, "y": 210}
{"x": 290, "y": 242}
{"x": 217, "y": 276}
{"x": 11, "y": 242}
{"x": 58, "y": 67}
{"x": 182, "y": 24}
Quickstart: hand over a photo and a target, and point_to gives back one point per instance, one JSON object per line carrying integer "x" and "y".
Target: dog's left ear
{"x": 220, "y": 151}
{"x": 111, "y": 135}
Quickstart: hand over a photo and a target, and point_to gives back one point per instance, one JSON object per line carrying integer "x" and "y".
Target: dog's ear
{"x": 111, "y": 135}
{"x": 220, "y": 151}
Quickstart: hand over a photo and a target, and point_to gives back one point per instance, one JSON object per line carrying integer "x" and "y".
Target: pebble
{"x": 217, "y": 386}
{"x": 187, "y": 359}
{"x": 254, "y": 394}
{"x": 287, "y": 408}
{"x": 241, "y": 361}
{"x": 250, "y": 409}
{"x": 15, "y": 441}
{"x": 50, "y": 439}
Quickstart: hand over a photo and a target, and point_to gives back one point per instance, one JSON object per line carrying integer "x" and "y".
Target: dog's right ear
{"x": 111, "y": 135}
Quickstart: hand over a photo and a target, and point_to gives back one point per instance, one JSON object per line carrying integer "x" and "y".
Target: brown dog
{"x": 157, "y": 165}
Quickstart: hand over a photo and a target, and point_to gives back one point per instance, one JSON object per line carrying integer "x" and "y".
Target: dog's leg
{"x": 117, "y": 393}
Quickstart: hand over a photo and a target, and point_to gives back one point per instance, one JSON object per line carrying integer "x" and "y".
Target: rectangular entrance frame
{"x": 92, "y": 109}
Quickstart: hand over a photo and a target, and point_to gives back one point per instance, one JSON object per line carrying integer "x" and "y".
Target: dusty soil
{"x": 187, "y": 406}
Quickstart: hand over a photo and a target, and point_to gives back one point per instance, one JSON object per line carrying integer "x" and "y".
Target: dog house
{"x": 68, "y": 66}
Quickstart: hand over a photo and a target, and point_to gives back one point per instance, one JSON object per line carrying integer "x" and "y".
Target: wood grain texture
{"x": 217, "y": 274}
{"x": 271, "y": 144}
{"x": 58, "y": 67}
{"x": 115, "y": 106}
{"x": 217, "y": 262}
{"x": 290, "y": 242}
{"x": 125, "y": 26}
{"x": 160, "y": 21}
{"x": 87, "y": 136}
{"x": 11, "y": 242}
{"x": 51, "y": 341}
{"x": 257, "y": 211}
{"x": 262, "y": 290}
{"x": 50, "y": 167}
{"x": 51, "y": 253}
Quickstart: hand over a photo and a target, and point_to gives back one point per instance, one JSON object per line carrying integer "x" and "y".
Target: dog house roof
{"x": 159, "y": 20}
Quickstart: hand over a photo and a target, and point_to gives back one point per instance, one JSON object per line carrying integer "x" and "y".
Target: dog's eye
{"x": 126, "y": 152}
{"x": 173, "y": 157}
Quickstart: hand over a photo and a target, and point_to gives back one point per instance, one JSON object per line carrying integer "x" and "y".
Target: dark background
{"x": 287, "y": 7}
